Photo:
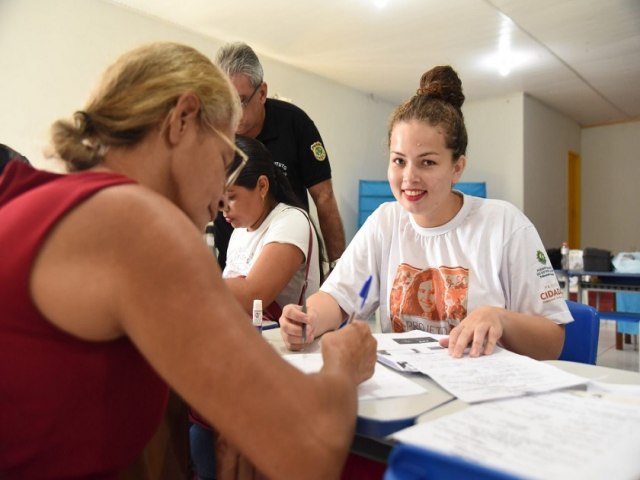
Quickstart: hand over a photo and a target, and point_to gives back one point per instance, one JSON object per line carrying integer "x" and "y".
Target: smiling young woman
{"x": 421, "y": 172}
{"x": 478, "y": 258}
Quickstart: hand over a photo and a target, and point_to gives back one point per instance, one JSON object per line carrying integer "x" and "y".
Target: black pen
{"x": 304, "y": 325}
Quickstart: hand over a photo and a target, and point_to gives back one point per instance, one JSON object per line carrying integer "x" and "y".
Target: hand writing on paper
{"x": 351, "y": 349}
{"x": 480, "y": 331}
{"x": 291, "y": 321}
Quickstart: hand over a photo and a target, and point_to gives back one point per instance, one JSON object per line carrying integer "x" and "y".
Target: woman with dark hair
{"x": 274, "y": 250}
{"x": 273, "y": 255}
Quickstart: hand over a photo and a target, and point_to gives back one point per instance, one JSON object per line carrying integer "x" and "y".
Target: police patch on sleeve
{"x": 319, "y": 151}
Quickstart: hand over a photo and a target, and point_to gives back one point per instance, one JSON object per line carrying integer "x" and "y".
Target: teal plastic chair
{"x": 372, "y": 193}
{"x": 408, "y": 462}
{"x": 581, "y": 335}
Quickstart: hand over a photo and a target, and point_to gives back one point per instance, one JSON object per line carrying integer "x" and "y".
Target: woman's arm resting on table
{"x": 531, "y": 335}
{"x": 273, "y": 270}
{"x": 144, "y": 271}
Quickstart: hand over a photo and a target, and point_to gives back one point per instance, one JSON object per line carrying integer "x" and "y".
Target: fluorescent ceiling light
{"x": 506, "y": 59}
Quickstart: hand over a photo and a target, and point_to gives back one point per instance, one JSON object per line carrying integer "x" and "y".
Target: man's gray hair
{"x": 238, "y": 57}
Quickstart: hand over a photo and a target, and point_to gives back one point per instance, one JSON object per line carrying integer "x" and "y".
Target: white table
{"x": 433, "y": 463}
{"x": 593, "y": 372}
{"x": 379, "y": 418}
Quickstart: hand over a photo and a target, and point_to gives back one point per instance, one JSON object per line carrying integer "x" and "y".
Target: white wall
{"x": 495, "y": 154}
{"x": 353, "y": 126}
{"x": 548, "y": 137}
{"x": 519, "y": 147}
{"x": 53, "y": 53}
{"x": 611, "y": 187}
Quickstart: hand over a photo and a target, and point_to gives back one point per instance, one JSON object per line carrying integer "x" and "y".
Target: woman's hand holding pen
{"x": 323, "y": 314}
{"x": 292, "y": 320}
{"x": 351, "y": 349}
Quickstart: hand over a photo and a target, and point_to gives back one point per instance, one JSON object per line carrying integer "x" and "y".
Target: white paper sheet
{"x": 384, "y": 383}
{"x": 558, "y": 435}
{"x": 391, "y": 346}
{"x": 503, "y": 374}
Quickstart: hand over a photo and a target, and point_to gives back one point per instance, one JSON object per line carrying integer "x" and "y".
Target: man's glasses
{"x": 246, "y": 101}
{"x": 235, "y": 173}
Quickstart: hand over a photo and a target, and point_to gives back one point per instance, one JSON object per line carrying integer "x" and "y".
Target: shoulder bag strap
{"x": 309, "y": 252}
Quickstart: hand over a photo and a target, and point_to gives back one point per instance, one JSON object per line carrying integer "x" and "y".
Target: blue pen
{"x": 364, "y": 293}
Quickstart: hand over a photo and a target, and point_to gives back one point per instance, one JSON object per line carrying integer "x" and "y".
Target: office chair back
{"x": 581, "y": 335}
{"x": 409, "y": 462}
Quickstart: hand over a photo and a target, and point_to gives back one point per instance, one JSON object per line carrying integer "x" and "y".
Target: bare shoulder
{"x": 115, "y": 247}
{"x": 134, "y": 203}
{"x": 134, "y": 222}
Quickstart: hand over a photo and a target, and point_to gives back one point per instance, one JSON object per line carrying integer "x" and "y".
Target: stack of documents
{"x": 559, "y": 435}
{"x": 500, "y": 375}
{"x": 519, "y": 420}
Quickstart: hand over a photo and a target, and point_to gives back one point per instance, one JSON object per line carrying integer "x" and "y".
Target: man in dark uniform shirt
{"x": 293, "y": 140}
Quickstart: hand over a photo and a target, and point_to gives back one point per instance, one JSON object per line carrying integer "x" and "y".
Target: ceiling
{"x": 580, "y": 57}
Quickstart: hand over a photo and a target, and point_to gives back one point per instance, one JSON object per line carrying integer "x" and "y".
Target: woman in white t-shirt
{"x": 441, "y": 261}
{"x": 272, "y": 252}
{"x": 274, "y": 247}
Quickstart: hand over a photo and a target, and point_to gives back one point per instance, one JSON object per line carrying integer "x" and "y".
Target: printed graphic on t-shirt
{"x": 433, "y": 300}
{"x": 281, "y": 166}
{"x": 550, "y": 291}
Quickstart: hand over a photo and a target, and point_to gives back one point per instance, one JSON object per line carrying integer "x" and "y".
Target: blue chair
{"x": 628, "y": 303}
{"x": 408, "y": 462}
{"x": 371, "y": 193}
{"x": 581, "y": 335}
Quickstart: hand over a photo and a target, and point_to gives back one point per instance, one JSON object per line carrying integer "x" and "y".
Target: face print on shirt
{"x": 433, "y": 300}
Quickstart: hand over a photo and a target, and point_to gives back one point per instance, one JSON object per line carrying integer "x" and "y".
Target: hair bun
{"x": 443, "y": 83}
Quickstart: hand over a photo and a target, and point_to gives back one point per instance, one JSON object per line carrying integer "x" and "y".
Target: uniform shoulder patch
{"x": 318, "y": 151}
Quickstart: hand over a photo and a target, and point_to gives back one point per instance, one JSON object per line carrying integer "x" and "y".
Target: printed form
{"x": 502, "y": 374}
{"x": 557, "y": 435}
